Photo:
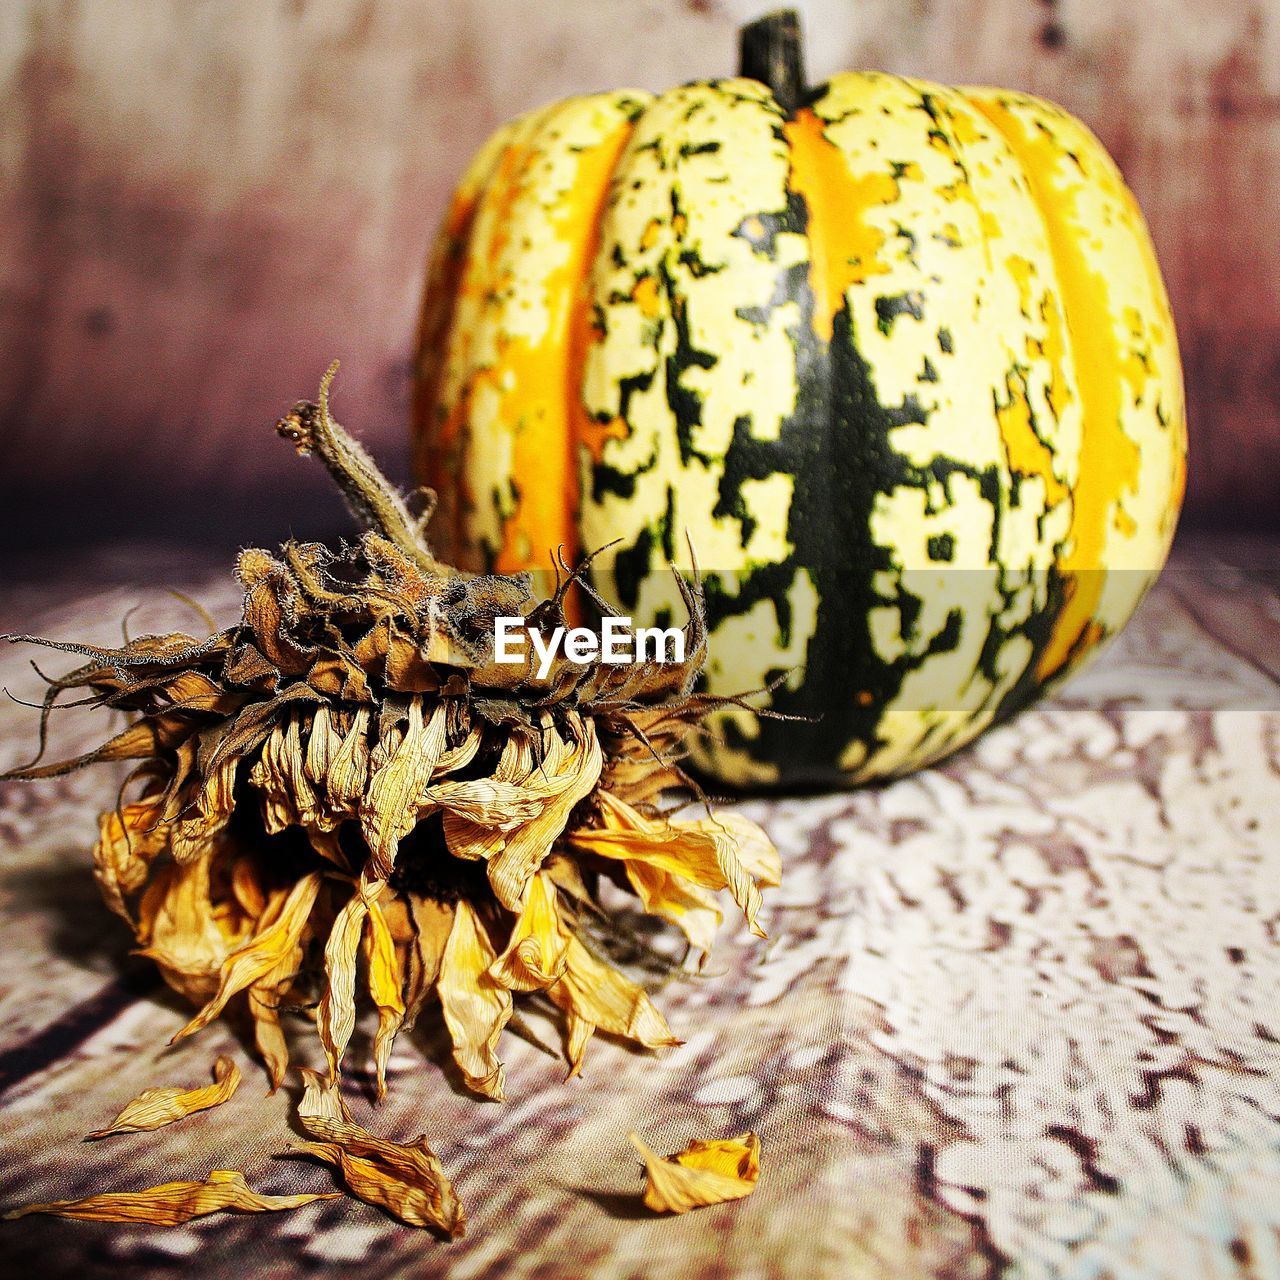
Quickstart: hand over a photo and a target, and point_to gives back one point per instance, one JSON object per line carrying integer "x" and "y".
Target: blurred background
{"x": 203, "y": 201}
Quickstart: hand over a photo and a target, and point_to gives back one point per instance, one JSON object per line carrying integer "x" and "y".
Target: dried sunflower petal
{"x": 415, "y": 1202}
{"x": 596, "y": 993}
{"x": 261, "y": 953}
{"x": 567, "y": 775}
{"x": 726, "y": 851}
{"x": 537, "y": 954}
{"x": 390, "y": 809}
{"x": 323, "y": 741}
{"x": 129, "y": 839}
{"x": 703, "y": 1173}
{"x": 180, "y": 930}
{"x": 172, "y": 1203}
{"x": 268, "y": 1037}
{"x": 155, "y": 1108}
{"x": 194, "y": 836}
{"x": 385, "y": 988}
{"x": 336, "y": 1016}
{"x": 405, "y": 1179}
{"x": 432, "y": 923}
{"x": 348, "y": 775}
{"x": 476, "y": 1008}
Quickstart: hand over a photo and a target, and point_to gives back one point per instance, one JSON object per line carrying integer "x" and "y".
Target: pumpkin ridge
{"x": 436, "y": 321}
{"x": 1109, "y": 457}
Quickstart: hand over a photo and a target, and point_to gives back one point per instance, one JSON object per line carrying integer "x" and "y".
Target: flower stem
{"x": 373, "y": 499}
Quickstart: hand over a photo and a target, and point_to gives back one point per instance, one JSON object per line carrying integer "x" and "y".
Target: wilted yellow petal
{"x": 154, "y": 1108}
{"x": 267, "y": 1034}
{"x": 390, "y": 809}
{"x": 336, "y": 1016}
{"x": 597, "y": 993}
{"x": 171, "y": 1202}
{"x": 180, "y": 931}
{"x": 703, "y": 1173}
{"x": 306, "y": 800}
{"x": 274, "y": 774}
{"x": 717, "y": 853}
{"x": 687, "y": 905}
{"x": 129, "y": 839}
{"x": 323, "y": 741}
{"x": 566, "y": 875}
{"x": 516, "y": 768}
{"x": 246, "y": 886}
{"x": 195, "y": 833}
{"x": 417, "y": 1202}
{"x": 569, "y": 772}
{"x": 462, "y": 754}
{"x": 754, "y": 849}
{"x": 265, "y": 994}
{"x": 261, "y": 953}
{"x": 476, "y": 1008}
{"x": 322, "y": 1106}
{"x": 485, "y": 801}
{"x": 403, "y": 1178}
{"x": 324, "y": 839}
{"x": 432, "y": 923}
{"x": 348, "y": 776}
{"x": 385, "y": 987}
{"x": 577, "y": 1037}
{"x": 536, "y": 955}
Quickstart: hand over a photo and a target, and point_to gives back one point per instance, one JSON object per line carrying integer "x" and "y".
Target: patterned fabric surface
{"x": 1016, "y": 1014}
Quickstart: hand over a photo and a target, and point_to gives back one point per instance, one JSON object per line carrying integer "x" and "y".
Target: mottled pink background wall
{"x": 202, "y": 201}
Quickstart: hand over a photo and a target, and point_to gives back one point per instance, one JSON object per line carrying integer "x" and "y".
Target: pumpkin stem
{"x": 770, "y": 51}
{"x": 373, "y": 499}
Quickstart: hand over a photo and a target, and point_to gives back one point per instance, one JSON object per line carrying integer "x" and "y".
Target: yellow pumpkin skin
{"x": 900, "y": 364}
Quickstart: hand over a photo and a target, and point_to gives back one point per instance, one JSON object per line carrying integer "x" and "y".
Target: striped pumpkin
{"x": 896, "y": 357}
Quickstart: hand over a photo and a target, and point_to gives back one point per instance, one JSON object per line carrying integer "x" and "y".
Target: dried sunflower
{"x": 345, "y": 787}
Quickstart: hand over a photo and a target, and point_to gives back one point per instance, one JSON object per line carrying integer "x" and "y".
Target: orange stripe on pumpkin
{"x": 843, "y": 247}
{"x": 1109, "y": 458}
{"x": 541, "y": 384}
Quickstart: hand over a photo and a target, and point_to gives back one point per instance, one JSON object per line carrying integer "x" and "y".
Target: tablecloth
{"x": 1016, "y": 1015}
